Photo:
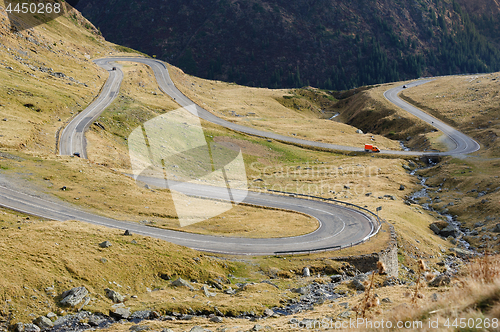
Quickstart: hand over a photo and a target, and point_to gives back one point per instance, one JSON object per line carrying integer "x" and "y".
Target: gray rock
{"x": 51, "y": 316}
{"x": 120, "y": 313}
{"x": 257, "y": 327}
{"x": 336, "y": 278}
{"x": 401, "y": 187}
{"x": 74, "y": 296}
{"x": 197, "y": 329}
{"x": 268, "y": 312}
{"x": 43, "y": 322}
{"x": 357, "y": 284}
{"x": 386, "y": 300}
{"x": 114, "y": 296}
{"x": 216, "y": 285}
{"x": 301, "y": 290}
{"x": 96, "y": 320}
{"x": 359, "y": 131}
{"x": 207, "y": 292}
{"x": 140, "y": 315}
{"x": 19, "y": 327}
{"x": 435, "y": 229}
{"x": 230, "y": 291}
{"x": 167, "y": 330}
{"x": 216, "y": 319}
{"x": 462, "y": 252}
{"x": 434, "y": 297}
{"x": 497, "y": 228}
{"x": 105, "y": 244}
{"x": 306, "y": 272}
{"x": 31, "y": 328}
{"x": 449, "y": 230}
{"x": 389, "y": 282}
{"x": 440, "y": 280}
{"x": 138, "y": 328}
{"x": 182, "y": 283}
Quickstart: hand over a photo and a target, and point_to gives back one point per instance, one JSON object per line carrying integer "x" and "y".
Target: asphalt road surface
{"x": 72, "y": 139}
{"x": 339, "y": 226}
{"x": 463, "y": 143}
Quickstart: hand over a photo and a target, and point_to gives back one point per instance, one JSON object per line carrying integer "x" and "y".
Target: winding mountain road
{"x": 339, "y": 226}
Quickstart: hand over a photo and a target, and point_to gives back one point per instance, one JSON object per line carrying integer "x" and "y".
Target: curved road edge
{"x": 463, "y": 143}
{"x": 339, "y": 226}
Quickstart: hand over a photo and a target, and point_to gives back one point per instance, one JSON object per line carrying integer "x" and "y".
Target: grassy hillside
{"x": 468, "y": 187}
{"x": 39, "y": 259}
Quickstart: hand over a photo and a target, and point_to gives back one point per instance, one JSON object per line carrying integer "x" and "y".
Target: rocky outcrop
{"x": 74, "y": 296}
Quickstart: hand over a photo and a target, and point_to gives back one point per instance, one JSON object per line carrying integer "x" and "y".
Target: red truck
{"x": 371, "y": 148}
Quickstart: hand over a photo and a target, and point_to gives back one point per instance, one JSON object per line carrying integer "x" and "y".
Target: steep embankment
{"x": 46, "y": 76}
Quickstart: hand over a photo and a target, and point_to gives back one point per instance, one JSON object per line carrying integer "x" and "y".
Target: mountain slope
{"x": 328, "y": 43}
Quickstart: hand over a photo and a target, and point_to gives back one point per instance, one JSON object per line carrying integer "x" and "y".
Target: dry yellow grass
{"x": 294, "y": 113}
{"x": 34, "y": 103}
{"x": 115, "y": 195}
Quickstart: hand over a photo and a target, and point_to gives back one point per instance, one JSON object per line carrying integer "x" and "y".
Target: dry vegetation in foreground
{"x": 51, "y": 257}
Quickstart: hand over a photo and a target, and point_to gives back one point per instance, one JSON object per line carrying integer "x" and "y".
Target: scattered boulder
{"x": 357, "y": 284}
{"x": 197, "y": 329}
{"x": 120, "y": 313}
{"x": 268, "y": 312}
{"x": 183, "y": 283}
{"x": 301, "y": 290}
{"x": 216, "y": 319}
{"x": 31, "y": 328}
{"x": 127, "y": 233}
{"x": 256, "y": 327}
{"x": 230, "y": 291}
{"x": 386, "y": 300}
{"x": 440, "y": 280}
{"x": 74, "y": 296}
{"x": 391, "y": 281}
{"x": 43, "y": 323}
{"x": 497, "y": 228}
{"x": 336, "y": 278}
{"x": 96, "y": 320}
{"x": 450, "y": 230}
{"x": 435, "y": 228}
{"x": 138, "y": 328}
{"x": 114, "y": 296}
{"x": 207, "y": 292}
{"x": 19, "y": 327}
{"x": 401, "y": 187}
{"x": 105, "y": 244}
{"x": 216, "y": 285}
{"x": 51, "y": 316}
{"x": 359, "y": 131}
{"x": 306, "y": 272}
